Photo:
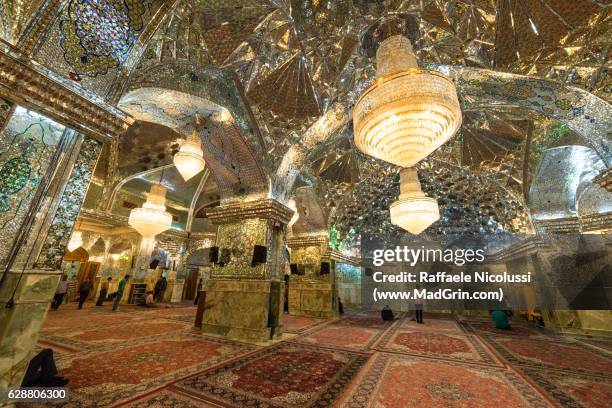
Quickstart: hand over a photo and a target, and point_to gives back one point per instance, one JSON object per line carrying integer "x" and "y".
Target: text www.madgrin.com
{"x": 440, "y": 294}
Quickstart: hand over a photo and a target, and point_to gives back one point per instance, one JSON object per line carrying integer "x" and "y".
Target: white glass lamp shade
{"x": 76, "y": 241}
{"x": 189, "y": 160}
{"x": 152, "y": 218}
{"x": 413, "y": 211}
{"x": 408, "y": 112}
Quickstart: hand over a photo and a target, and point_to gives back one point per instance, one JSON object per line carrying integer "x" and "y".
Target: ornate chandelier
{"x": 76, "y": 241}
{"x": 413, "y": 211}
{"x": 152, "y": 218}
{"x": 402, "y": 118}
{"x": 408, "y": 112}
{"x": 189, "y": 160}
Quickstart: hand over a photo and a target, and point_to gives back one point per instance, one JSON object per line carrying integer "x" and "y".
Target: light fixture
{"x": 189, "y": 160}
{"x": 408, "y": 112}
{"x": 152, "y": 218}
{"x": 76, "y": 241}
{"x": 413, "y": 211}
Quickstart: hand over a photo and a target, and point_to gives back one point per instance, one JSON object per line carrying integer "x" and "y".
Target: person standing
{"x": 160, "y": 288}
{"x": 119, "y": 293}
{"x": 84, "y": 290}
{"x": 60, "y": 292}
{"x": 103, "y": 291}
{"x": 198, "y": 290}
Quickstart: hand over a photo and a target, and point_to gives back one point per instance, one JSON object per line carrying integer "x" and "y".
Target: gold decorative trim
{"x": 267, "y": 209}
{"x": 27, "y": 85}
{"x": 597, "y": 222}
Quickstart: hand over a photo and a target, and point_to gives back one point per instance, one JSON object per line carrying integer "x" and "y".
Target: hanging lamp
{"x": 413, "y": 211}
{"x": 76, "y": 241}
{"x": 151, "y": 219}
{"x": 189, "y": 160}
{"x": 408, "y": 112}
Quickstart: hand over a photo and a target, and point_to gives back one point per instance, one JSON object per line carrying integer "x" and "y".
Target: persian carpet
{"x": 299, "y": 324}
{"x": 113, "y": 374}
{"x": 393, "y": 381}
{"x": 487, "y": 327}
{"x": 573, "y": 390}
{"x": 284, "y": 375}
{"x": 342, "y": 336}
{"x": 552, "y": 354}
{"x": 445, "y": 345}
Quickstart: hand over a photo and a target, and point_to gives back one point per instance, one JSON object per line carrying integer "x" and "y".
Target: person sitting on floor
{"x": 42, "y": 371}
{"x": 149, "y": 301}
{"x": 500, "y": 318}
{"x": 387, "y": 313}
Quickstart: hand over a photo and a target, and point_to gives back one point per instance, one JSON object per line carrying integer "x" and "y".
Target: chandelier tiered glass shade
{"x": 413, "y": 211}
{"x": 152, "y": 218}
{"x": 189, "y": 160}
{"x": 408, "y": 112}
{"x": 76, "y": 241}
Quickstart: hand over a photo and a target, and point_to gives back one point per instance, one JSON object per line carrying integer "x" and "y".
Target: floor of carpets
{"x": 141, "y": 357}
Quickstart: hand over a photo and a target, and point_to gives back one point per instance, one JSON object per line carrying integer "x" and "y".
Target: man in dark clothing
{"x": 199, "y": 288}
{"x": 84, "y": 290}
{"x": 418, "y": 312}
{"x": 160, "y": 288}
{"x": 103, "y": 291}
{"x": 387, "y": 314}
{"x": 42, "y": 372}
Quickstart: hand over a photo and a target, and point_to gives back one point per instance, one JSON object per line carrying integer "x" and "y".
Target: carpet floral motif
{"x": 286, "y": 375}
{"x": 433, "y": 324}
{"x": 168, "y": 398}
{"x": 488, "y": 327}
{"x": 104, "y": 377}
{"x": 444, "y": 344}
{"x": 130, "y": 331}
{"x": 397, "y": 381}
{"x": 299, "y": 324}
{"x": 339, "y": 335}
{"x": 573, "y": 390}
{"x": 553, "y": 354}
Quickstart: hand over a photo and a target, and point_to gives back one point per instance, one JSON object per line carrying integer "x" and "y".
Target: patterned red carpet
{"x": 154, "y": 358}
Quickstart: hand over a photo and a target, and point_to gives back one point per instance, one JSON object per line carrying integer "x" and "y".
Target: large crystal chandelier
{"x": 189, "y": 160}
{"x": 152, "y": 218}
{"x": 408, "y": 112}
{"x": 413, "y": 211}
{"x": 402, "y": 118}
{"x": 76, "y": 241}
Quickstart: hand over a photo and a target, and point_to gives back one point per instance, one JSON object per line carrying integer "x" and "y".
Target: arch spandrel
{"x": 227, "y": 155}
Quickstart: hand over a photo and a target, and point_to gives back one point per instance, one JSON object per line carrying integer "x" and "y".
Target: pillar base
{"x": 19, "y": 325}
{"x": 241, "y": 309}
{"x": 312, "y": 299}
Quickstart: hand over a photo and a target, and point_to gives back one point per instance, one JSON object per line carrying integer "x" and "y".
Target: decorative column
{"x": 32, "y": 269}
{"x": 244, "y": 298}
{"x": 312, "y": 291}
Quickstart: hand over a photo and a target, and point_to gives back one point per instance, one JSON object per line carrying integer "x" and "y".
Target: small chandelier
{"x": 189, "y": 160}
{"x": 413, "y": 211}
{"x": 408, "y": 112}
{"x": 152, "y": 218}
{"x": 76, "y": 241}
